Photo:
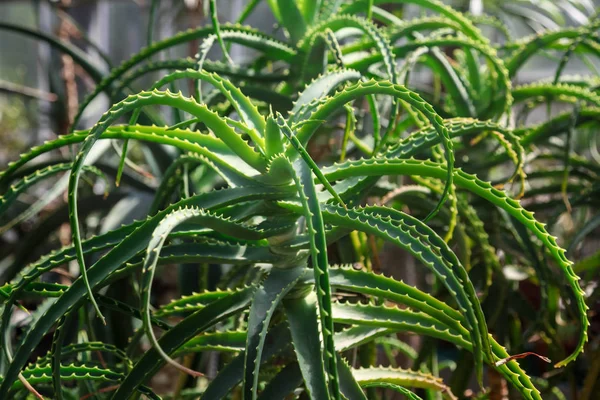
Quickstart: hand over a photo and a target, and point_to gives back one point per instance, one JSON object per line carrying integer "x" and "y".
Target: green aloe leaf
{"x": 496, "y": 197}
{"x": 125, "y": 249}
{"x": 302, "y": 315}
{"x": 177, "y": 336}
{"x": 401, "y": 377}
{"x": 266, "y": 298}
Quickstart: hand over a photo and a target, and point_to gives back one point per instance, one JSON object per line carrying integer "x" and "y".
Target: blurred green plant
{"x": 535, "y": 15}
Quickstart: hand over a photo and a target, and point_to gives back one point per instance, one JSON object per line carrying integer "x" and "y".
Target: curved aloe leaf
{"x": 266, "y": 298}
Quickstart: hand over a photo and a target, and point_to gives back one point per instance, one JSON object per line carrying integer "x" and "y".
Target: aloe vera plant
{"x": 281, "y": 180}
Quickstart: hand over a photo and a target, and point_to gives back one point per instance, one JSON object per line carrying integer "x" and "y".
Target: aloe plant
{"x": 293, "y": 228}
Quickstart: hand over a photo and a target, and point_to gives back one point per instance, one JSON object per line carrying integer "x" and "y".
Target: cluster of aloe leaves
{"x": 277, "y": 184}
